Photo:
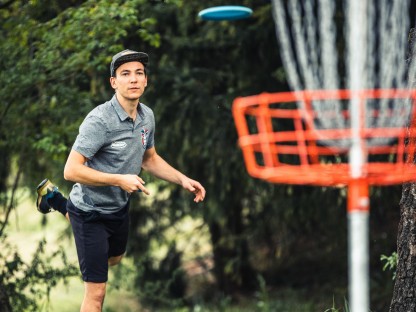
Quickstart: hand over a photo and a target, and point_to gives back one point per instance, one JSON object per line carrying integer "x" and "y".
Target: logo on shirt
{"x": 119, "y": 145}
{"x": 144, "y": 133}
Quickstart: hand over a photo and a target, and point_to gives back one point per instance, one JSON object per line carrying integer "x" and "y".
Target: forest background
{"x": 250, "y": 240}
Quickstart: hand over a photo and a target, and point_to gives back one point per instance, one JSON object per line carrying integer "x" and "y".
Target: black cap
{"x": 127, "y": 56}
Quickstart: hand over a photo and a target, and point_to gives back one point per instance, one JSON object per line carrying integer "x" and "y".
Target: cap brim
{"x": 132, "y": 57}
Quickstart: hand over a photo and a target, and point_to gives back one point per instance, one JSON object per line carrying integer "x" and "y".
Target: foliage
{"x": 263, "y": 300}
{"x": 55, "y": 59}
{"x": 55, "y": 71}
{"x": 390, "y": 263}
{"x": 334, "y": 309}
{"x": 28, "y": 284}
{"x": 54, "y": 56}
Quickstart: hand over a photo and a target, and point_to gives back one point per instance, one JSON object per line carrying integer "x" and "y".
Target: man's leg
{"x": 93, "y": 297}
{"x": 94, "y": 293}
{"x": 114, "y": 260}
{"x": 117, "y": 243}
{"x": 91, "y": 235}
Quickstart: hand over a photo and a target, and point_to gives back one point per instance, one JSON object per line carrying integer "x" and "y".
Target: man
{"x": 115, "y": 141}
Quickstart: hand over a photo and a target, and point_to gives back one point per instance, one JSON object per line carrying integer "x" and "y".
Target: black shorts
{"x": 97, "y": 238}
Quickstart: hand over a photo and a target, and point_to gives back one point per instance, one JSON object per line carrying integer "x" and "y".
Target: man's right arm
{"x": 76, "y": 171}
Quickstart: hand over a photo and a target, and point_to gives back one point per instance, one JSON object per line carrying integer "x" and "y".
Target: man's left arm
{"x": 158, "y": 167}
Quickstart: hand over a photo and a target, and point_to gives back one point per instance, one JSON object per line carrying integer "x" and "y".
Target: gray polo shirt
{"x": 113, "y": 143}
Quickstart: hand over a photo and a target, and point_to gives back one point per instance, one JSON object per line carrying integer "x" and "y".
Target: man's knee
{"x": 94, "y": 296}
{"x": 114, "y": 260}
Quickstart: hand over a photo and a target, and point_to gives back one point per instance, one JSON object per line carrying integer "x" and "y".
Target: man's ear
{"x": 113, "y": 82}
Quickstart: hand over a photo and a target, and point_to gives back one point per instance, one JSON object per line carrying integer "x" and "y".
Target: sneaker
{"x": 45, "y": 191}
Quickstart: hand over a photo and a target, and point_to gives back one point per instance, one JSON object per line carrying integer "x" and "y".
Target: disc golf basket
{"x": 281, "y": 142}
{"x": 333, "y": 138}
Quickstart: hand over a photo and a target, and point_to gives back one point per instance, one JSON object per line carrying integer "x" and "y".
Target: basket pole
{"x": 358, "y": 212}
{"x": 358, "y": 245}
{"x": 358, "y": 215}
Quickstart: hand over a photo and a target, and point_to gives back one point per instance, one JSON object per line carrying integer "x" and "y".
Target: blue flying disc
{"x": 225, "y": 13}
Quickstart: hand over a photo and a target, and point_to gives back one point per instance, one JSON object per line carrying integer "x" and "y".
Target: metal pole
{"x": 358, "y": 246}
{"x": 358, "y": 212}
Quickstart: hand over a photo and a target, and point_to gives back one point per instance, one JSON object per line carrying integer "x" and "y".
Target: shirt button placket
{"x": 132, "y": 123}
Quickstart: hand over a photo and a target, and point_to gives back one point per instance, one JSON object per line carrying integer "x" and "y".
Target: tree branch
{"x": 11, "y": 203}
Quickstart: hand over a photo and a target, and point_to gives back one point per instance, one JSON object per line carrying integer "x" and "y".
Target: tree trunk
{"x": 404, "y": 293}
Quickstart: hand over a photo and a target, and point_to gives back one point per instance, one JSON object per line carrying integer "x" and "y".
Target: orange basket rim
{"x": 271, "y": 143}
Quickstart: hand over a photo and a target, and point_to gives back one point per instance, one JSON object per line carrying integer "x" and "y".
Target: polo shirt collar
{"x": 119, "y": 109}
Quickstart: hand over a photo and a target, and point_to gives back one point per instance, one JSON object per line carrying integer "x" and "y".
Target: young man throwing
{"x": 115, "y": 140}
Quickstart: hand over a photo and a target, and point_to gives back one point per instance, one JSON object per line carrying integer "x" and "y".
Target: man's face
{"x": 130, "y": 80}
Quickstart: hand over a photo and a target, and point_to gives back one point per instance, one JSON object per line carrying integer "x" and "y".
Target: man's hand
{"x": 194, "y": 187}
{"x": 157, "y": 166}
{"x": 132, "y": 183}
